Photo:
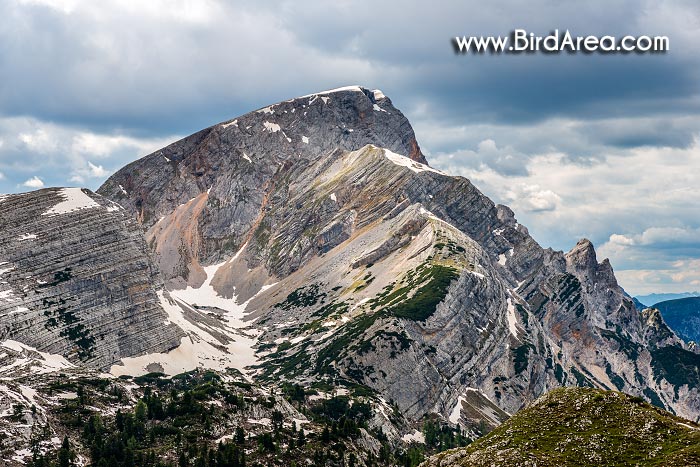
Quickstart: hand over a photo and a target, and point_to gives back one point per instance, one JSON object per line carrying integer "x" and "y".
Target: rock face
{"x": 202, "y": 195}
{"x": 360, "y": 263}
{"x": 571, "y": 427}
{"x": 76, "y": 279}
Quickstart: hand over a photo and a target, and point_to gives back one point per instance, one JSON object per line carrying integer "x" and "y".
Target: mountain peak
{"x": 253, "y": 148}
{"x": 583, "y": 255}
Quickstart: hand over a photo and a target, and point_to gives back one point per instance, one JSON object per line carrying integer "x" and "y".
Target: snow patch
{"x": 261, "y": 421}
{"x": 503, "y": 257}
{"x": 226, "y": 125}
{"x": 404, "y": 161}
{"x": 7, "y": 296}
{"x": 266, "y": 110}
{"x": 377, "y": 108}
{"x": 333, "y": 197}
{"x": 200, "y": 348}
{"x": 305, "y": 139}
{"x": 355, "y": 88}
{"x": 512, "y": 321}
{"x": 27, "y": 236}
{"x": 74, "y": 199}
{"x": 477, "y": 274}
{"x": 205, "y": 295}
{"x": 298, "y": 339}
{"x": 4, "y": 270}
{"x": 46, "y": 363}
{"x": 21, "y": 455}
{"x": 245, "y": 156}
{"x": 378, "y": 94}
{"x": 271, "y": 127}
{"x": 415, "y": 437}
{"x": 456, "y": 413}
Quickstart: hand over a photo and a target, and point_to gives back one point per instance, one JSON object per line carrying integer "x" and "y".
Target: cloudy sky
{"x": 599, "y": 146}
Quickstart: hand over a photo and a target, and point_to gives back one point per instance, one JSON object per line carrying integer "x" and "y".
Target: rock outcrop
{"x": 76, "y": 279}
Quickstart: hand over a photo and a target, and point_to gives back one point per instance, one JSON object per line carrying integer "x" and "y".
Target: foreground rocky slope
{"x": 573, "y": 427}
{"x": 60, "y": 414}
{"x": 76, "y": 279}
{"x": 317, "y": 222}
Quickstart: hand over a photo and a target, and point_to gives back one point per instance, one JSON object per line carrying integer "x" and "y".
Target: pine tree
{"x": 65, "y": 454}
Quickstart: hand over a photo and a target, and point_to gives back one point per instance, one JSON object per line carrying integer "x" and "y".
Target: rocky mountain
{"x": 572, "y": 427}
{"x": 318, "y": 221}
{"x": 310, "y": 242}
{"x": 683, "y": 316}
{"x": 201, "y": 198}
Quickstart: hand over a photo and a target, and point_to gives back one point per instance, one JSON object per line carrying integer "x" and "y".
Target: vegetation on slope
{"x": 208, "y": 419}
{"x": 582, "y": 427}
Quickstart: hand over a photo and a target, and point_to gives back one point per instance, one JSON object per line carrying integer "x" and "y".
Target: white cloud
{"x": 2, "y": 176}
{"x": 682, "y": 276}
{"x": 532, "y": 198}
{"x": 34, "y": 182}
{"x": 50, "y": 150}
{"x": 100, "y": 145}
{"x": 39, "y": 140}
{"x": 97, "y": 171}
{"x": 87, "y": 172}
{"x": 487, "y": 154}
{"x": 89, "y": 66}
{"x": 65, "y": 6}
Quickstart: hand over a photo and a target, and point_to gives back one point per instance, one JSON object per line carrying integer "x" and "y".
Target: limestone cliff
{"x": 319, "y": 221}
{"x": 76, "y": 279}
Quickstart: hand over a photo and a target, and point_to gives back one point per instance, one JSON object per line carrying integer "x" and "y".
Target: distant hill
{"x": 683, "y": 316}
{"x": 577, "y": 426}
{"x": 654, "y": 298}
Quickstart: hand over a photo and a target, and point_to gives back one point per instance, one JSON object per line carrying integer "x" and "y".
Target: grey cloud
{"x": 635, "y": 132}
{"x": 61, "y": 155}
{"x": 486, "y": 153}
{"x": 108, "y": 66}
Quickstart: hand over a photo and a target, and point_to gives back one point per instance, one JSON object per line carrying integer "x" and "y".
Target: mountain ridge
{"x": 339, "y": 210}
{"x": 309, "y": 242}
